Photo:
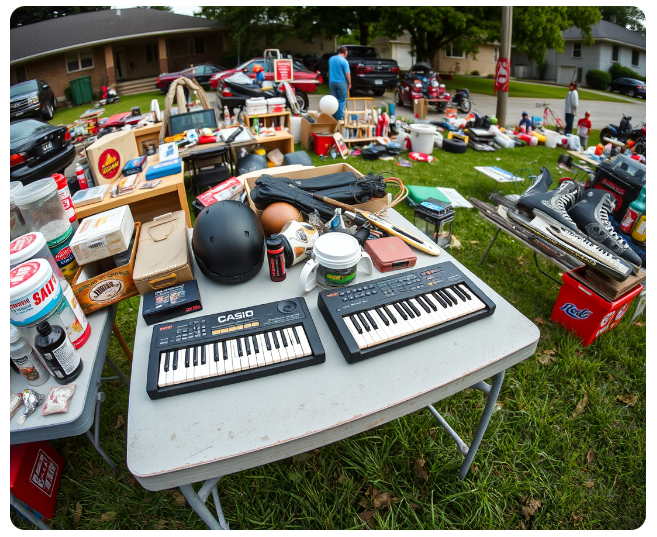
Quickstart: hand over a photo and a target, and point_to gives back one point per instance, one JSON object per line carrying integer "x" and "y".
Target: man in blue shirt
{"x": 339, "y": 80}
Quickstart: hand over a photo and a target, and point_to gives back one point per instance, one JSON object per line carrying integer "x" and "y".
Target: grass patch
{"x": 522, "y": 89}
{"x": 587, "y": 469}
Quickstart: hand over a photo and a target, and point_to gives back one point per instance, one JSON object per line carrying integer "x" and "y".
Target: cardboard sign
{"x": 283, "y": 71}
{"x": 502, "y": 75}
{"x": 339, "y": 143}
{"x": 420, "y": 108}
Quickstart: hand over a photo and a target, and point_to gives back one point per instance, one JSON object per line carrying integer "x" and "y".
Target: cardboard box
{"x": 324, "y": 123}
{"x": 307, "y": 172}
{"x": 420, "y": 108}
{"x": 108, "y": 155}
{"x": 103, "y": 235}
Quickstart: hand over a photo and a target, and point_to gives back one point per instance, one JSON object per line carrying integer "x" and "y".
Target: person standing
{"x": 572, "y": 102}
{"x": 339, "y": 80}
{"x": 583, "y": 129}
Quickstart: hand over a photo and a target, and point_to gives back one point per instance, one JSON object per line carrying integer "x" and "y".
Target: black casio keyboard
{"x": 380, "y": 315}
{"x": 224, "y": 348}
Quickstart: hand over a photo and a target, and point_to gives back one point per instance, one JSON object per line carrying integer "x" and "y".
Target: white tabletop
{"x": 192, "y": 437}
{"x": 80, "y": 413}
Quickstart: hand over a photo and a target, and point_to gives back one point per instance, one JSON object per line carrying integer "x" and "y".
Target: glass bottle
{"x": 58, "y": 352}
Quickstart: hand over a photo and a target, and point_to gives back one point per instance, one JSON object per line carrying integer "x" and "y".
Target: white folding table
{"x": 186, "y": 439}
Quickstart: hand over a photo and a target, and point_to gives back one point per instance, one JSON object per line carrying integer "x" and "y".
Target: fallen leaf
{"x": 474, "y": 242}
{"x": 119, "y": 422}
{"x": 366, "y": 516}
{"x": 302, "y": 457}
{"x": 419, "y": 471}
{"x": 589, "y": 457}
{"x": 364, "y": 503}
{"x": 547, "y": 357}
{"x": 384, "y": 500}
{"x": 530, "y": 506}
{"x": 521, "y": 261}
{"x": 628, "y": 399}
{"x": 94, "y": 471}
{"x": 414, "y": 506}
{"x": 342, "y": 479}
{"x": 78, "y": 513}
{"x": 538, "y": 320}
{"x": 638, "y": 323}
{"x": 106, "y": 517}
{"x": 588, "y": 484}
{"x": 455, "y": 243}
{"x": 577, "y": 518}
{"x": 179, "y": 498}
{"x": 521, "y": 525}
{"x": 580, "y": 406}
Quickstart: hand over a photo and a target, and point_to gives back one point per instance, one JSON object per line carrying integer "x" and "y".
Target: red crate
{"x": 585, "y": 313}
{"x": 322, "y": 142}
{"x": 35, "y": 473}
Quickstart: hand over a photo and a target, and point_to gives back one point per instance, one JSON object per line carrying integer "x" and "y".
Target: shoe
{"x": 553, "y": 206}
{"x": 541, "y": 183}
{"x": 591, "y": 214}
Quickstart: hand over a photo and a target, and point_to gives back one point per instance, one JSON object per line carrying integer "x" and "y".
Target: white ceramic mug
{"x": 299, "y": 239}
{"x": 334, "y": 262}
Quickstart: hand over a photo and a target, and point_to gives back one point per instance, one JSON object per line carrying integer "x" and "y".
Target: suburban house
{"x": 449, "y": 60}
{"x": 613, "y": 44}
{"x": 125, "y": 48}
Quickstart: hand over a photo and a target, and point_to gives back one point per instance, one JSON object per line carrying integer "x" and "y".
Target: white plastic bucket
{"x": 551, "y": 139}
{"x": 275, "y": 105}
{"x": 295, "y": 127}
{"x": 422, "y": 138}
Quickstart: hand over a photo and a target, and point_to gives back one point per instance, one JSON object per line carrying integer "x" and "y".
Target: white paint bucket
{"x": 422, "y": 138}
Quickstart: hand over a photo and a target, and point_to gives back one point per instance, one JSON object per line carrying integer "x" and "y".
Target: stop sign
{"x": 502, "y": 75}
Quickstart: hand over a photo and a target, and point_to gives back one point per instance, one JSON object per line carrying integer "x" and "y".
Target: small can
{"x": 64, "y": 256}
{"x": 276, "y": 258}
{"x": 630, "y": 218}
{"x": 639, "y": 233}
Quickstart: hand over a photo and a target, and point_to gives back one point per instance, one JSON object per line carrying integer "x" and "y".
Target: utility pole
{"x": 505, "y": 52}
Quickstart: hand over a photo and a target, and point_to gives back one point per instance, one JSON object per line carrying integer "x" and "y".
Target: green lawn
{"x": 560, "y": 436}
{"x": 66, "y": 116}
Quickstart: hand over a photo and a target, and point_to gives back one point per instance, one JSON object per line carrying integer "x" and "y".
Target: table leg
{"x": 640, "y": 304}
{"x": 183, "y": 203}
{"x": 100, "y": 397}
{"x": 492, "y": 391}
{"x": 475, "y": 182}
{"x": 543, "y": 272}
{"x": 197, "y": 502}
{"x": 27, "y": 513}
{"x": 119, "y": 337}
{"x": 118, "y": 372}
{"x": 489, "y": 247}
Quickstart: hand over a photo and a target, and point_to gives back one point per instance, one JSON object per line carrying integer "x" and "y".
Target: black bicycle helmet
{"x": 228, "y": 242}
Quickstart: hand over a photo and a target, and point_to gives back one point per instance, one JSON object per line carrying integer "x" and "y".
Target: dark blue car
{"x": 628, "y": 86}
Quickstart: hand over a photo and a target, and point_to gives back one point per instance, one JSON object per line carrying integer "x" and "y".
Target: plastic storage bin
{"x": 82, "y": 90}
{"x": 585, "y": 313}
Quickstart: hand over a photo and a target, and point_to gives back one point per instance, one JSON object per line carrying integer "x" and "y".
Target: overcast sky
{"x": 181, "y": 10}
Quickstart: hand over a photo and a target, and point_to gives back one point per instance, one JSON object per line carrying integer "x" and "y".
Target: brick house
{"x": 118, "y": 47}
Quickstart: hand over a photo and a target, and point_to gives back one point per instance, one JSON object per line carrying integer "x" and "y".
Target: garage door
{"x": 566, "y": 74}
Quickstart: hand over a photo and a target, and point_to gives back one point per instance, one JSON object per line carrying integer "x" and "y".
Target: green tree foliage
{"x": 597, "y": 79}
{"x": 355, "y": 22}
{"x": 168, "y": 9}
{"x": 31, "y": 14}
{"x": 630, "y": 17}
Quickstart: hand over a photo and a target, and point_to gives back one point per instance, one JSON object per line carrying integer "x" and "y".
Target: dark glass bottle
{"x": 58, "y": 352}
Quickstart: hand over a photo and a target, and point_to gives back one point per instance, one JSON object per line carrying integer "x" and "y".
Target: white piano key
{"x": 395, "y": 328}
{"x": 180, "y": 374}
{"x": 305, "y": 345}
{"x": 253, "y": 360}
{"x": 162, "y": 375}
{"x": 369, "y": 329}
{"x": 365, "y": 333}
{"x": 203, "y": 369}
{"x": 421, "y": 316}
{"x": 274, "y": 349}
{"x": 438, "y": 313}
{"x": 214, "y": 364}
{"x": 189, "y": 364}
{"x": 360, "y": 340}
{"x": 282, "y": 349}
{"x": 412, "y": 321}
{"x": 292, "y": 341}
{"x": 383, "y": 328}
{"x": 244, "y": 359}
{"x": 237, "y": 361}
{"x": 266, "y": 353}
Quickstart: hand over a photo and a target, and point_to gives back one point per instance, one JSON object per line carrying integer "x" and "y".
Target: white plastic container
{"x": 256, "y": 101}
{"x": 295, "y": 127}
{"x": 422, "y": 138}
{"x": 17, "y": 225}
{"x": 256, "y": 110}
{"x": 552, "y": 138}
{"x": 276, "y": 105}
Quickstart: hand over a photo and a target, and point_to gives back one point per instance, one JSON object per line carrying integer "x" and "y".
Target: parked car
{"x": 38, "y": 150}
{"x": 322, "y": 63}
{"x": 32, "y": 98}
{"x": 310, "y": 61}
{"x": 368, "y": 71}
{"x": 305, "y": 81}
{"x": 629, "y": 86}
{"x": 202, "y": 74}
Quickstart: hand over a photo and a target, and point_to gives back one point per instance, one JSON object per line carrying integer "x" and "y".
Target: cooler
{"x": 624, "y": 178}
{"x": 322, "y": 142}
{"x": 34, "y": 475}
{"x": 582, "y": 311}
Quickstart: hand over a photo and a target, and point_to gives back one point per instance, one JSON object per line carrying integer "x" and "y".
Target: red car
{"x": 305, "y": 81}
{"x": 202, "y": 74}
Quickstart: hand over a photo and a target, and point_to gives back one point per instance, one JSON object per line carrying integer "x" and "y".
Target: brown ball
{"x": 277, "y": 215}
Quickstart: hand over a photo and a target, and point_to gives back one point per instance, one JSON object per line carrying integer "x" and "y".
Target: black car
{"x": 202, "y": 74}
{"x": 629, "y": 86}
{"x": 32, "y": 98}
{"x": 322, "y": 63}
{"x": 38, "y": 150}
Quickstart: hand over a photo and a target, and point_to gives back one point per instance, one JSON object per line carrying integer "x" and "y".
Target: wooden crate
{"x": 270, "y": 120}
{"x": 107, "y": 288}
{"x": 362, "y": 108}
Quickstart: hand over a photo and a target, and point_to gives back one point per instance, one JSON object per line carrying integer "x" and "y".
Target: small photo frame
{"x": 168, "y": 151}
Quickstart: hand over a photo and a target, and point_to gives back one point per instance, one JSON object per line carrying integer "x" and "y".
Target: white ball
{"x": 328, "y": 105}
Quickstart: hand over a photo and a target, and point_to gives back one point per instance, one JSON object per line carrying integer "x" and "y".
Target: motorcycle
{"x": 109, "y": 96}
{"x": 422, "y": 82}
{"x": 239, "y": 87}
{"x": 461, "y": 100}
{"x": 624, "y": 132}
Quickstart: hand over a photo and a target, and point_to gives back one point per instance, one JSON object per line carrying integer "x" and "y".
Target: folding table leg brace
{"x": 100, "y": 397}
{"x": 492, "y": 391}
{"x": 197, "y": 502}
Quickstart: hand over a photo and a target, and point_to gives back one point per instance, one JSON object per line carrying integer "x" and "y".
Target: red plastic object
{"x": 322, "y": 142}
{"x": 34, "y": 475}
{"x": 585, "y": 313}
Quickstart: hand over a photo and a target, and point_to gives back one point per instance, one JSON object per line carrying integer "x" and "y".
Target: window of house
{"x": 454, "y": 51}
{"x": 151, "y": 52}
{"x": 635, "y": 58}
{"x": 20, "y": 74}
{"x": 615, "y": 52}
{"x": 496, "y": 53}
{"x": 577, "y": 50}
{"x": 77, "y": 61}
{"x": 176, "y": 47}
{"x": 580, "y": 72}
{"x": 195, "y": 45}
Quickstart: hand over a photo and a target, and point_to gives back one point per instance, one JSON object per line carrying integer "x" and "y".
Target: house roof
{"x": 72, "y": 31}
{"x": 404, "y": 38}
{"x": 608, "y": 31}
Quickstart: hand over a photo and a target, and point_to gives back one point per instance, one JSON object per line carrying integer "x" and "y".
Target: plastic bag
{"x": 15, "y": 400}
{"x": 276, "y": 157}
{"x": 58, "y": 399}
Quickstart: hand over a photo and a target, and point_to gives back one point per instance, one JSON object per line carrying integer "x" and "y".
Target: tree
{"x": 629, "y": 17}
{"x": 355, "y": 22}
{"x": 31, "y": 14}
{"x": 168, "y": 9}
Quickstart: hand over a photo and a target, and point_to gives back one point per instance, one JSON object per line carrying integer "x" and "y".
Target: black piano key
{"x": 371, "y": 320}
{"x": 239, "y": 347}
{"x": 407, "y": 309}
{"x": 216, "y": 352}
{"x": 464, "y": 290}
{"x": 415, "y": 310}
{"x": 450, "y": 295}
{"x": 267, "y": 342}
{"x": 446, "y": 297}
{"x": 429, "y": 302}
{"x": 166, "y": 361}
{"x": 458, "y": 293}
{"x": 422, "y": 302}
{"x": 439, "y": 299}
{"x": 276, "y": 343}
{"x": 296, "y": 335}
{"x": 224, "y": 350}
{"x": 247, "y": 345}
{"x": 203, "y": 359}
{"x": 401, "y": 312}
{"x": 187, "y": 357}
{"x": 283, "y": 338}
{"x": 383, "y": 317}
{"x": 175, "y": 360}
{"x": 390, "y": 314}
{"x": 357, "y": 325}
{"x": 256, "y": 347}
{"x": 363, "y": 321}
{"x": 195, "y": 361}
